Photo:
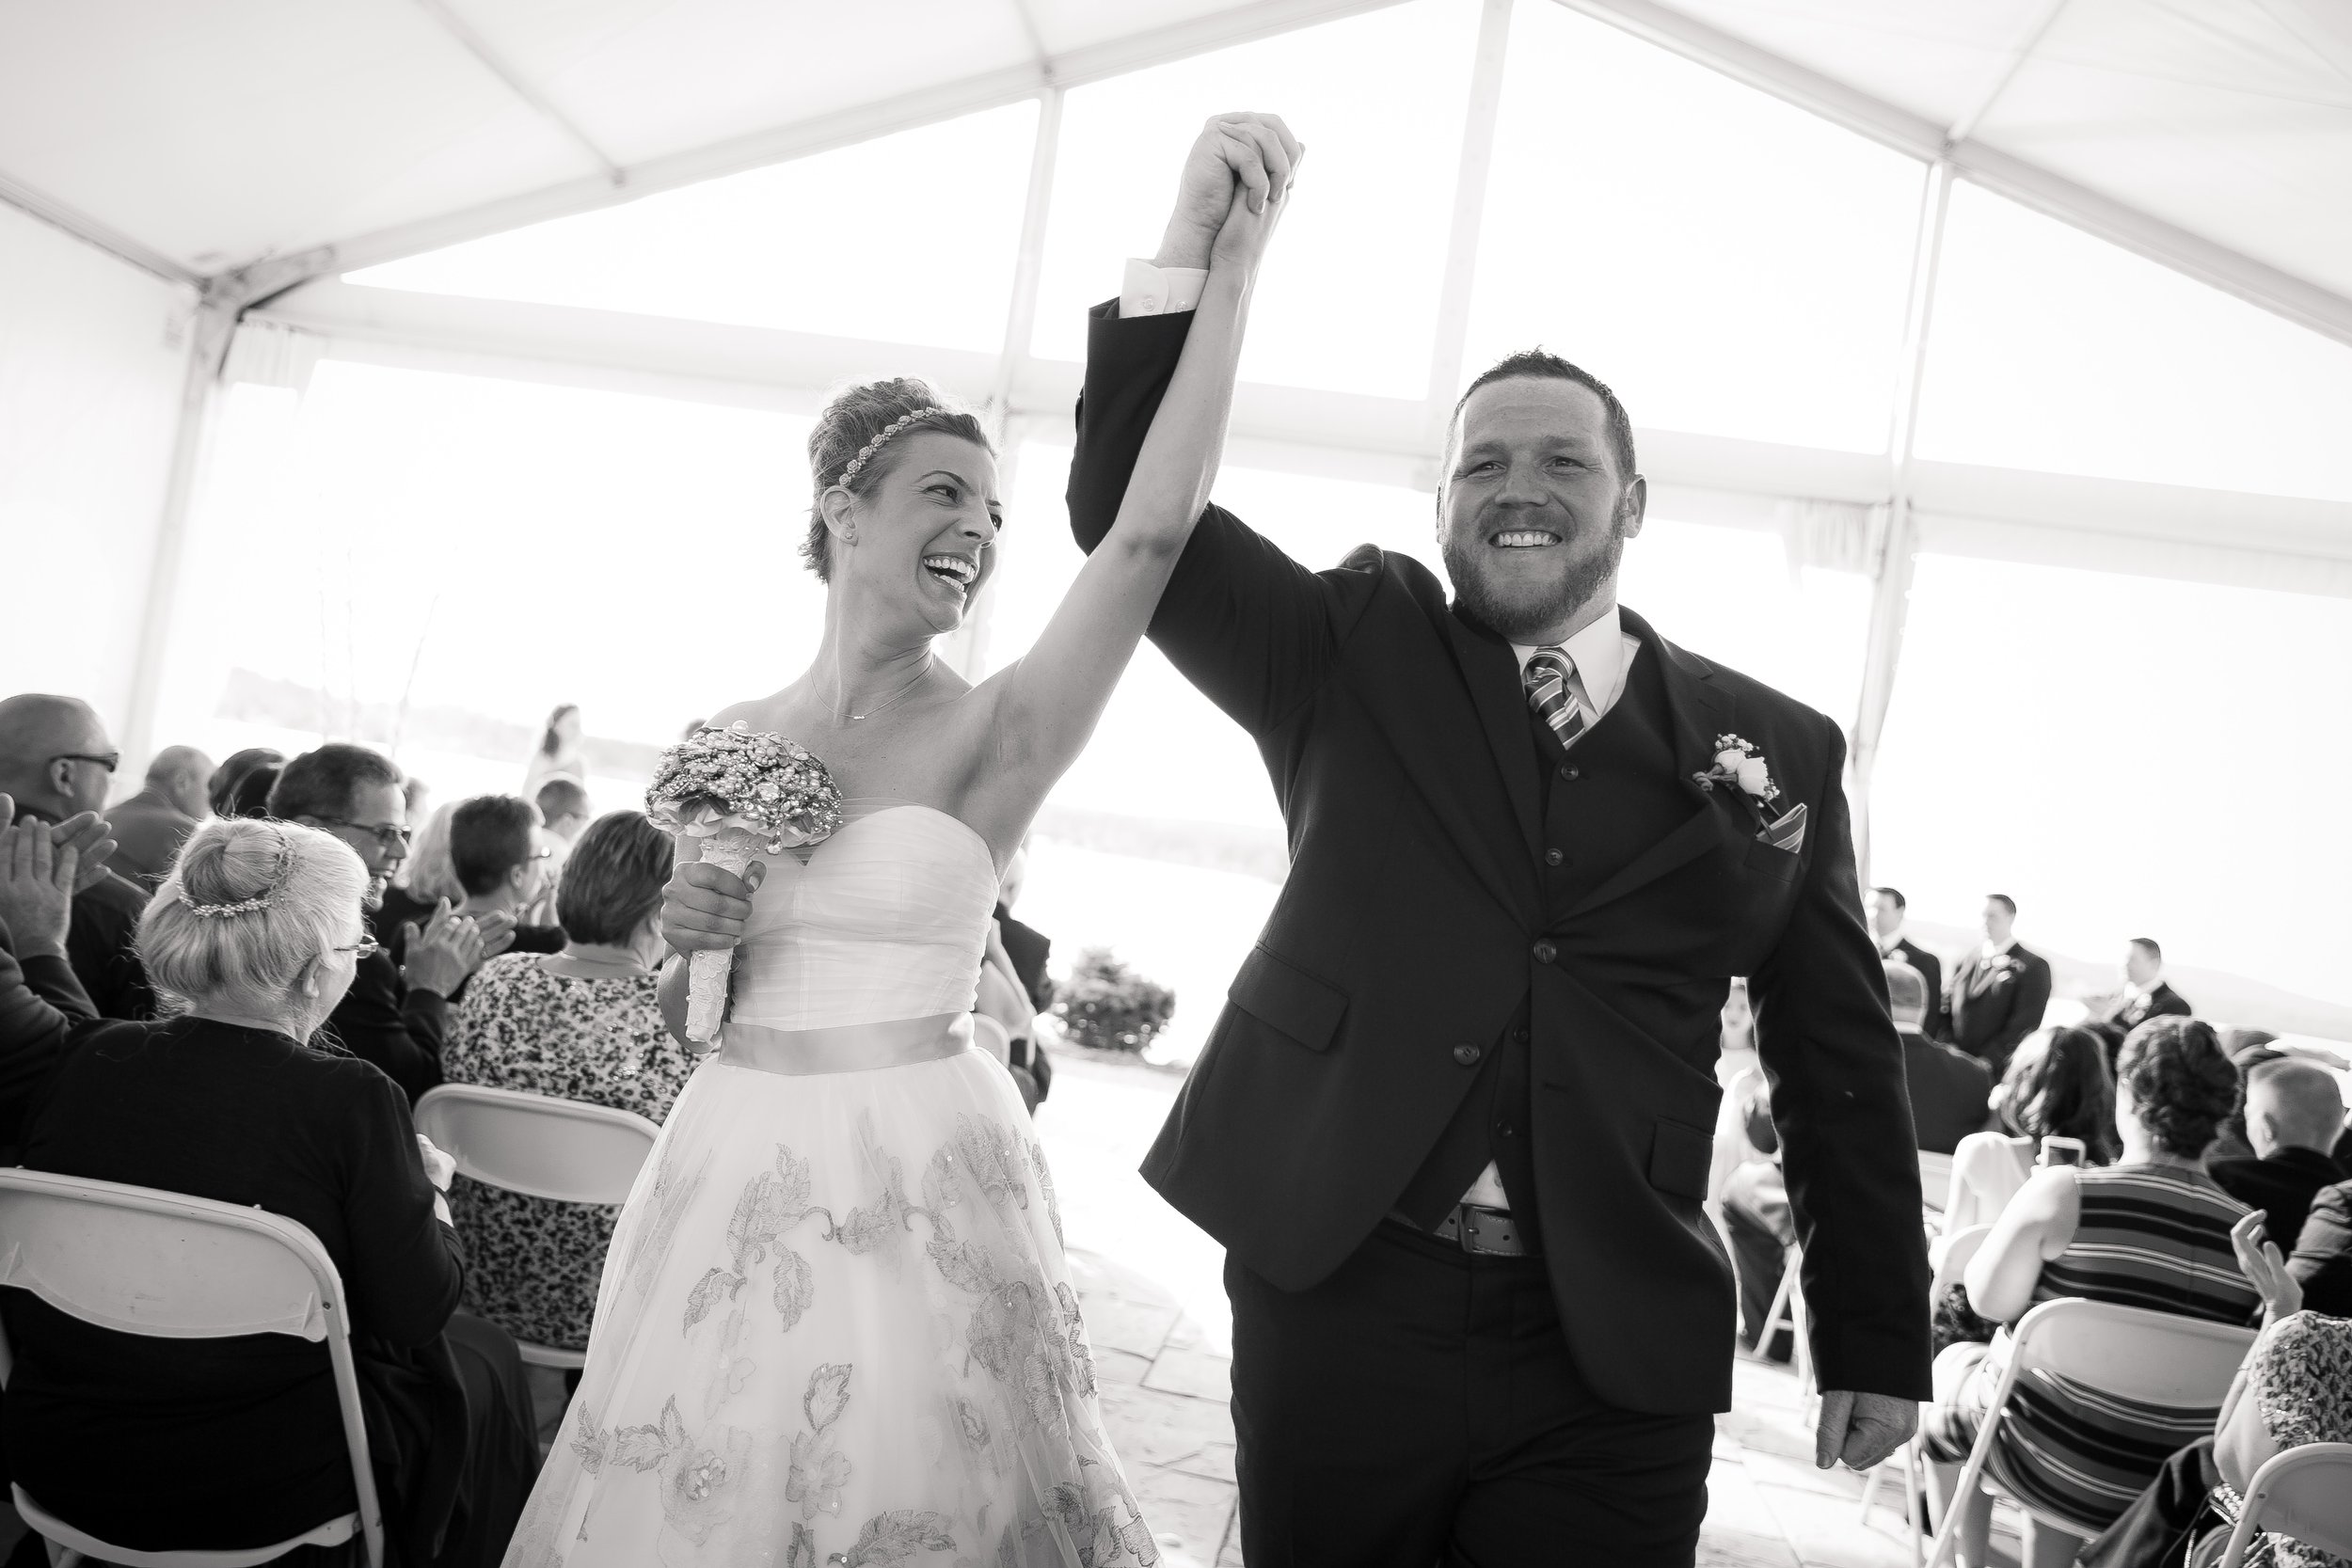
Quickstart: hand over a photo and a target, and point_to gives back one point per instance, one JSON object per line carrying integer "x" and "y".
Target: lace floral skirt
{"x": 835, "y": 1326}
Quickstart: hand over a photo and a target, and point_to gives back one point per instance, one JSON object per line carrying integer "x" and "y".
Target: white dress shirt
{"x": 1601, "y": 653}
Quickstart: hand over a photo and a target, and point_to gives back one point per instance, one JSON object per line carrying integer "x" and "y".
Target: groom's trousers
{"x": 1420, "y": 1407}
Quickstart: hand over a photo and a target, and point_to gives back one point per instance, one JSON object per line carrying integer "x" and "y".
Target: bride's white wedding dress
{"x": 836, "y": 1324}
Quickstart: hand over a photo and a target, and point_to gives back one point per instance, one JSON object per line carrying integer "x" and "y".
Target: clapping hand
{"x": 439, "y": 956}
{"x": 2266, "y": 1269}
{"x": 38, "y": 873}
{"x": 1239, "y": 162}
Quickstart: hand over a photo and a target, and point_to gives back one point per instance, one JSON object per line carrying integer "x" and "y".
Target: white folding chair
{"x": 142, "y": 1261}
{"x": 1958, "y": 1249}
{"x": 542, "y": 1147}
{"x": 1787, "y": 1311}
{"x": 2149, "y": 1357}
{"x": 2304, "y": 1494}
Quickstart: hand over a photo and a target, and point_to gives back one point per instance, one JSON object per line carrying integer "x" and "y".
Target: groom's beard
{"x": 1521, "y": 612}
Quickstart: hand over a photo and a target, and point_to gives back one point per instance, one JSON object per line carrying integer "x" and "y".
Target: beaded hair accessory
{"x": 247, "y": 906}
{"x": 871, "y": 448}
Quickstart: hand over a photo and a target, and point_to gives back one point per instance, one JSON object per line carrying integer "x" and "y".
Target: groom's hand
{"x": 705, "y": 907}
{"x": 1253, "y": 151}
{"x": 1862, "y": 1429}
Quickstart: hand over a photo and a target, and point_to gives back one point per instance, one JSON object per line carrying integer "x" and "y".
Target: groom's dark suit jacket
{"x": 1433, "y": 972}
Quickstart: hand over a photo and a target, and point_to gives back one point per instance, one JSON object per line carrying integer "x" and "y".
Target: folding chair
{"x": 1935, "y": 1181}
{"x": 143, "y": 1261}
{"x": 1958, "y": 1249}
{"x": 2149, "y": 1358}
{"x": 1787, "y": 1311}
{"x": 541, "y": 1146}
{"x": 2304, "y": 1494}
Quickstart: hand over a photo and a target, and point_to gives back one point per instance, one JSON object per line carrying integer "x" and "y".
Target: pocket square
{"x": 1788, "y": 833}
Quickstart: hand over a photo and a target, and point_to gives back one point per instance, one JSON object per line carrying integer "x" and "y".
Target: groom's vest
{"x": 1605, "y": 801}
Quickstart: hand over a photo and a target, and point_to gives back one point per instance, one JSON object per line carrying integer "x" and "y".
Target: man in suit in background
{"x": 151, "y": 826}
{"x": 57, "y": 761}
{"x": 2293, "y": 1110}
{"x": 1999, "y": 992}
{"x": 1951, "y": 1092}
{"x": 1453, "y": 1127}
{"x": 1887, "y": 908}
{"x": 2145, "y": 995}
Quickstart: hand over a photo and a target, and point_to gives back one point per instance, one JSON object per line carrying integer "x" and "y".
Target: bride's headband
{"x": 871, "y": 448}
{"x": 247, "y": 906}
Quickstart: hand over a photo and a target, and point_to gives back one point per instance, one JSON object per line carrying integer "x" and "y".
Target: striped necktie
{"x": 1548, "y": 694}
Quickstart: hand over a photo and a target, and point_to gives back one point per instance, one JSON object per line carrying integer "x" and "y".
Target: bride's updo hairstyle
{"x": 858, "y": 417}
{"x": 248, "y": 905}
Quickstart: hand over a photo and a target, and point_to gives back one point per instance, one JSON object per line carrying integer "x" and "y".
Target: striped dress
{"x": 2156, "y": 1236}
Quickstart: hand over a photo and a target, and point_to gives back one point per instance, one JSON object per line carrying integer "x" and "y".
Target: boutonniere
{"x": 1740, "y": 768}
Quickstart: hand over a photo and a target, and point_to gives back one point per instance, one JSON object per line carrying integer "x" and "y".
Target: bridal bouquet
{"x": 740, "y": 792}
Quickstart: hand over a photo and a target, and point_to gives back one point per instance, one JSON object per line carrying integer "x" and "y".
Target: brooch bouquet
{"x": 740, "y": 792}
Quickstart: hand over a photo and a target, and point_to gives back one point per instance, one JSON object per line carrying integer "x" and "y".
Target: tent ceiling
{"x": 198, "y": 139}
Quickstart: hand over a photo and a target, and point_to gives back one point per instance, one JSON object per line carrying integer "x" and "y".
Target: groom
{"x": 1454, "y": 1128}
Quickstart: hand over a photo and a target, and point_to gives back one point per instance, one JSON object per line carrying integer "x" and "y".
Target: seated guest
{"x": 41, "y": 1004}
{"x": 250, "y": 798}
{"x": 57, "y": 761}
{"x": 2144, "y": 995}
{"x": 237, "y": 1442}
{"x": 2293, "y": 1387}
{"x": 2151, "y": 1231}
{"x": 2057, "y": 1085}
{"x": 425, "y": 881}
{"x": 1950, "y": 1090}
{"x": 394, "y": 1015}
{"x": 222, "y": 791}
{"x": 1999, "y": 990}
{"x": 580, "y": 1025}
{"x": 2293, "y": 1110}
{"x": 1888, "y": 909}
{"x": 2322, "y": 1259}
{"x": 563, "y": 808}
{"x": 150, "y": 827}
{"x": 500, "y": 855}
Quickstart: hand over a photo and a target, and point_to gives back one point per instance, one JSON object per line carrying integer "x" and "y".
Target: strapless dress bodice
{"x": 886, "y": 920}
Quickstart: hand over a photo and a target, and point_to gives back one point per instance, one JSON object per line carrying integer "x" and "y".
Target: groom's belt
{"x": 1487, "y": 1233}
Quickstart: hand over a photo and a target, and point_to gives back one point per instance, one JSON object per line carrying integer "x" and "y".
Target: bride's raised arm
{"x": 1044, "y": 706}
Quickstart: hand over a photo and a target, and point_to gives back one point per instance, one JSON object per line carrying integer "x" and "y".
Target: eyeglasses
{"x": 395, "y": 840}
{"x": 111, "y": 762}
{"x": 362, "y": 950}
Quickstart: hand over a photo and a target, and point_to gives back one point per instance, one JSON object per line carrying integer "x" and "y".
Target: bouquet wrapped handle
{"x": 707, "y": 971}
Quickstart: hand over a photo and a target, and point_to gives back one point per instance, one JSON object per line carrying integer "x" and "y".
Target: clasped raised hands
{"x": 42, "y": 868}
{"x": 450, "y": 946}
{"x": 1236, "y": 176}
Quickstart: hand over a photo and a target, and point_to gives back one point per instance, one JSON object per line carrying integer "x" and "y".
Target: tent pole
{"x": 209, "y": 334}
{"x": 1890, "y": 594}
{"x": 1451, "y": 343}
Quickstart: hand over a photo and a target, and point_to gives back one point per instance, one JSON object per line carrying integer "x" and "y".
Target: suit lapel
{"x": 1698, "y": 710}
{"x": 1490, "y": 667}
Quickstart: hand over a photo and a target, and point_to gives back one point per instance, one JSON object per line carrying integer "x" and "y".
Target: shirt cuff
{"x": 1150, "y": 290}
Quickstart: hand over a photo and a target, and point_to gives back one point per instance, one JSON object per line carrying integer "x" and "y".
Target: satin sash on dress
{"x": 846, "y": 1048}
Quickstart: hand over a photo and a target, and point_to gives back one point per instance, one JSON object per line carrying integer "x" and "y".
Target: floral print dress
{"x": 533, "y": 1264}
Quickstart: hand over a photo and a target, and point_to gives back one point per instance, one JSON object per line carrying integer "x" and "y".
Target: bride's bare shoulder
{"x": 760, "y": 713}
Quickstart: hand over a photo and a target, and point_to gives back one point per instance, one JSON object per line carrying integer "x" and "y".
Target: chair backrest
{"x": 2153, "y": 1357}
{"x": 1959, "y": 1247}
{"x": 164, "y": 1264}
{"x": 538, "y": 1144}
{"x": 2306, "y": 1492}
{"x": 991, "y": 1036}
{"x": 1935, "y": 1179}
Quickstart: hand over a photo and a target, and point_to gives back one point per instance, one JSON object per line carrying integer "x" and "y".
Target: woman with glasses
{"x": 159, "y": 1444}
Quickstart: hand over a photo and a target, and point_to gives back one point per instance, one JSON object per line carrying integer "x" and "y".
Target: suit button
{"x": 1507, "y": 1131}
{"x": 1519, "y": 1035}
{"x": 1553, "y": 857}
{"x": 1545, "y": 952}
{"x": 1569, "y": 773}
{"x": 1467, "y": 1054}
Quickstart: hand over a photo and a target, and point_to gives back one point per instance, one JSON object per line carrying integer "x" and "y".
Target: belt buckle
{"x": 1506, "y": 1243}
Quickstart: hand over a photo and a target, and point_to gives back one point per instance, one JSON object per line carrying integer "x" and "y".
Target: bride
{"x": 836, "y": 1324}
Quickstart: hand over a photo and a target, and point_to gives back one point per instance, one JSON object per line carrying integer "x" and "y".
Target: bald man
{"x": 2293, "y": 1111}
{"x": 151, "y": 826}
{"x": 57, "y": 761}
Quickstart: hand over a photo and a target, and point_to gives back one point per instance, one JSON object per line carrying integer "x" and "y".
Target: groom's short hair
{"x": 1537, "y": 364}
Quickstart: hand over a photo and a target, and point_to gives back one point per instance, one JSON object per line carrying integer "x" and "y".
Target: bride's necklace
{"x": 894, "y": 698}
